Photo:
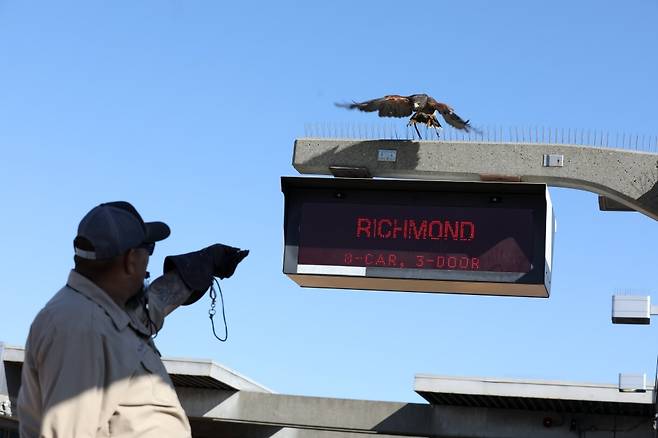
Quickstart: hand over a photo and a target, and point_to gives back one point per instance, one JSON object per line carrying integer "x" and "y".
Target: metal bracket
{"x": 553, "y": 160}
{"x": 608, "y": 204}
{"x": 350, "y": 172}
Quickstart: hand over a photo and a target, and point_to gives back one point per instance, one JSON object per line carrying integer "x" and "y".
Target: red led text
{"x": 388, "y": 228}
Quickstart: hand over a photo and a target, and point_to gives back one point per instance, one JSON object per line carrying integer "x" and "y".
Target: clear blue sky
{"x": 189, "y": 110}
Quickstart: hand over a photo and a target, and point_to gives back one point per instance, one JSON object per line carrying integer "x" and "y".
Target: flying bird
{"x": 422, "y": 106}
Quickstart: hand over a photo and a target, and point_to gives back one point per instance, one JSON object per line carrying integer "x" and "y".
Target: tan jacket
{"x": 91, "y": 369}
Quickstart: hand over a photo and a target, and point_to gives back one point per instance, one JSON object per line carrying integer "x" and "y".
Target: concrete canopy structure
{"x": 534, "y": 395}
{"x": 220, "y": 402}
{"x": 626, "y": 180}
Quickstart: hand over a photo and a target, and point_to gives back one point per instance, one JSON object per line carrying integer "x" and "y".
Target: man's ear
{"x": 130, "y": 261}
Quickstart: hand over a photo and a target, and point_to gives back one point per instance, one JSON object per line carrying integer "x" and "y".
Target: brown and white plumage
{"x": 421, "y": 107}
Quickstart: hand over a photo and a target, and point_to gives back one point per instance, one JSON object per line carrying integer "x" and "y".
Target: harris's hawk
{"x": 422, "y": 106}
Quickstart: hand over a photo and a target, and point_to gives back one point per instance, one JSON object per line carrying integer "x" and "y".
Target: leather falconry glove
{"x": 198, "y": 268}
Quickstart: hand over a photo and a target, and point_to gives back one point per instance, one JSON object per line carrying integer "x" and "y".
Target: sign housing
{"x": 485, "y": 238}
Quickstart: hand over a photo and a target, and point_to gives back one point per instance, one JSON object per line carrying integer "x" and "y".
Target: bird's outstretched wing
{"x": 452, "y": 118}
{"x": 387, "y": 106}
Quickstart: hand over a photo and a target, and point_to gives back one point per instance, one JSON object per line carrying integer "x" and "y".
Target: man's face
{"x": 139, "y": 263}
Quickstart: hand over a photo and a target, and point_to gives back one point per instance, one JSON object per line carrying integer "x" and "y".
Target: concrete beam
{"x": 628, "y": 177}
{"x": 398, "y": 419}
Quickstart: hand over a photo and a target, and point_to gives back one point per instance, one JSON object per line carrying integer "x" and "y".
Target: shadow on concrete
{"x": 362, "y": 154}
{"x": 208, "y": 428}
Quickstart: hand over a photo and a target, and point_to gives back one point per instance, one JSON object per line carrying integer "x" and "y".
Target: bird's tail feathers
{"x": 348, "y": 105}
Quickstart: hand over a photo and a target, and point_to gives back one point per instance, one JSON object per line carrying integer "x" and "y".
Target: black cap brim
{"x": 156, "y": 231}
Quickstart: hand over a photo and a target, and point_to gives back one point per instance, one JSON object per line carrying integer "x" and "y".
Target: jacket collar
{"x": 89, "y": 289}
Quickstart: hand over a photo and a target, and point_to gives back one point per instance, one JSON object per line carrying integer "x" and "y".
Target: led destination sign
{"x": 423, "y": 237}
{"x": 410, "y": 235}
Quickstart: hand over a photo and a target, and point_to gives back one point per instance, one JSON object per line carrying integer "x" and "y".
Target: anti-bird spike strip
{"x": 487, "y": 133}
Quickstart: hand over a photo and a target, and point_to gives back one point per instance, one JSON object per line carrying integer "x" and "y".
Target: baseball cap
{"x": 113, "y": 228}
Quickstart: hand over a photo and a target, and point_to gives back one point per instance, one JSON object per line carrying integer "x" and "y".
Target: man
{"x": 91, "y": 368}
